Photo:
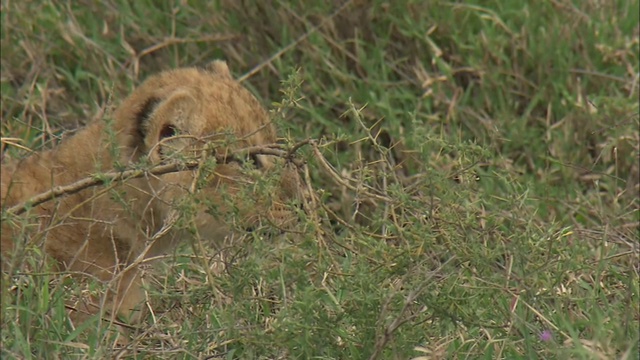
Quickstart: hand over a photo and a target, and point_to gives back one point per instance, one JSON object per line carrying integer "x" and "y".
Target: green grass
{"x": 502, "y": 134}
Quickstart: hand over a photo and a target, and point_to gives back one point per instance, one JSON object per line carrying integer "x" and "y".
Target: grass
{"x": 491, "y": 154}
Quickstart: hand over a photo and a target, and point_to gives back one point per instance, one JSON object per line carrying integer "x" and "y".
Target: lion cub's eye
{"x": 167, "y": 131}
{"x": 256, "y": 161}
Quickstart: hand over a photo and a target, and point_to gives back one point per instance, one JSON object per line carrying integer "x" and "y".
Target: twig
{"x": 161, "y": 169}
{"x": 340, "y": 180}
{"x": 295, "y": 148}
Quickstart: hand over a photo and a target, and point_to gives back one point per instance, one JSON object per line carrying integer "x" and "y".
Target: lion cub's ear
{"x": 219, "y": 68}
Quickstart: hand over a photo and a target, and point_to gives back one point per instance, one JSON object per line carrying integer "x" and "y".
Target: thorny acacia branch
{"x": 233, "y": 156}
{"x": 73, "y": 188}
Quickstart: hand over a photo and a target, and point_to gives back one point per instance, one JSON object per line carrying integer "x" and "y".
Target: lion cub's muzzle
{"x": 257, "y": 195}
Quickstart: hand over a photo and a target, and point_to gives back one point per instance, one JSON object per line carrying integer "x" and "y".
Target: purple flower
{"x": 546, "y": 336}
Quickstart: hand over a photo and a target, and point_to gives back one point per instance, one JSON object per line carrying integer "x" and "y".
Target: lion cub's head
{"x": 203, "y": 115}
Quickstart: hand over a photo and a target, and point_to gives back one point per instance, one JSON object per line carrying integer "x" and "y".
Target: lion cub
{"x": 186, "y": 112}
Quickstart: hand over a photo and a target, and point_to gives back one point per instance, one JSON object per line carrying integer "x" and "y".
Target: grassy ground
{"x": 488, "y": 151}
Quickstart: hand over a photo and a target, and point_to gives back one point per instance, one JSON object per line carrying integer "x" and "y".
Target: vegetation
{"x": 484, "y": 202}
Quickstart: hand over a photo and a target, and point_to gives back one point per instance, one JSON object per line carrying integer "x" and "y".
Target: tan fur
{"x": 102, "y": 236}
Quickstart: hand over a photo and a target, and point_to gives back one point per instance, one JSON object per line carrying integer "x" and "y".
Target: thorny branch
{"x": 73, "y": 188}
{"x": 233, "y": 156}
